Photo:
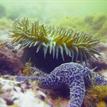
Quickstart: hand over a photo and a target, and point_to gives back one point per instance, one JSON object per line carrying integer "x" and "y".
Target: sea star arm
{"x": 77, "y": 92}
{"x": 100, "y": 80}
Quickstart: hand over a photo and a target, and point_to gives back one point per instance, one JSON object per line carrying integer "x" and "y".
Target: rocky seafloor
{"x": 17, "y": 94}
{"x": 28, "y": 94}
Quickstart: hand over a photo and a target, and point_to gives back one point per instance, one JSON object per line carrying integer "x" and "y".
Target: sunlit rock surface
{"x": 17, "y": 94}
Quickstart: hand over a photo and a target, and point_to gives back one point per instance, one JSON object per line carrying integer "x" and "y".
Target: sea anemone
{"x": 49, "y": 46}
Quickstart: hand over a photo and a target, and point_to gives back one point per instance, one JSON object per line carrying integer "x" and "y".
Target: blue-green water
{"x": 47, "y": 9}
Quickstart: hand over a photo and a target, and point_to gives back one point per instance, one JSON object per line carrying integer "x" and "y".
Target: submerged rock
{"x": 10, "y": 63}
{"x": 17, "y": 94}
{"x": 2, "y": 103}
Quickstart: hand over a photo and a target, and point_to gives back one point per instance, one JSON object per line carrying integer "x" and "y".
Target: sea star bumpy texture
{"x": 77, "y": 77}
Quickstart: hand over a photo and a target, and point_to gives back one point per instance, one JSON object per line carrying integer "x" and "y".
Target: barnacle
{"x": 55, "y": 41}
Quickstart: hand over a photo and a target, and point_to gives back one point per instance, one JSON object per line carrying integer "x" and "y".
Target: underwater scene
{"x": 53, "y": 53}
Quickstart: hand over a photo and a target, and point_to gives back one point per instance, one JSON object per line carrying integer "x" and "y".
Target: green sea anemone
{"x": 55, "y": 42}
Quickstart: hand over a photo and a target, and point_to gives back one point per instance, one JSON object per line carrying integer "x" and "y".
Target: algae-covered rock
{"x": 10, "y": 63}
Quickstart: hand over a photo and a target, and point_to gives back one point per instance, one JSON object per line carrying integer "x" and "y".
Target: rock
{"x": 102, "y": 48}
{"x": 21, "y": 96}
{"x": 4, "y": 35}
{"x": 101, "y": 62}
{"x": 2, "y": 103}
{"x": 10, "y": 62}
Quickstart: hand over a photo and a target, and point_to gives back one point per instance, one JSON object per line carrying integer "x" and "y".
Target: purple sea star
{"x": 77, "y": 77}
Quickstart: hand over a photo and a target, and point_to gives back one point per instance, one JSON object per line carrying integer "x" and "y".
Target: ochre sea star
{"x": 77, "y": 77}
